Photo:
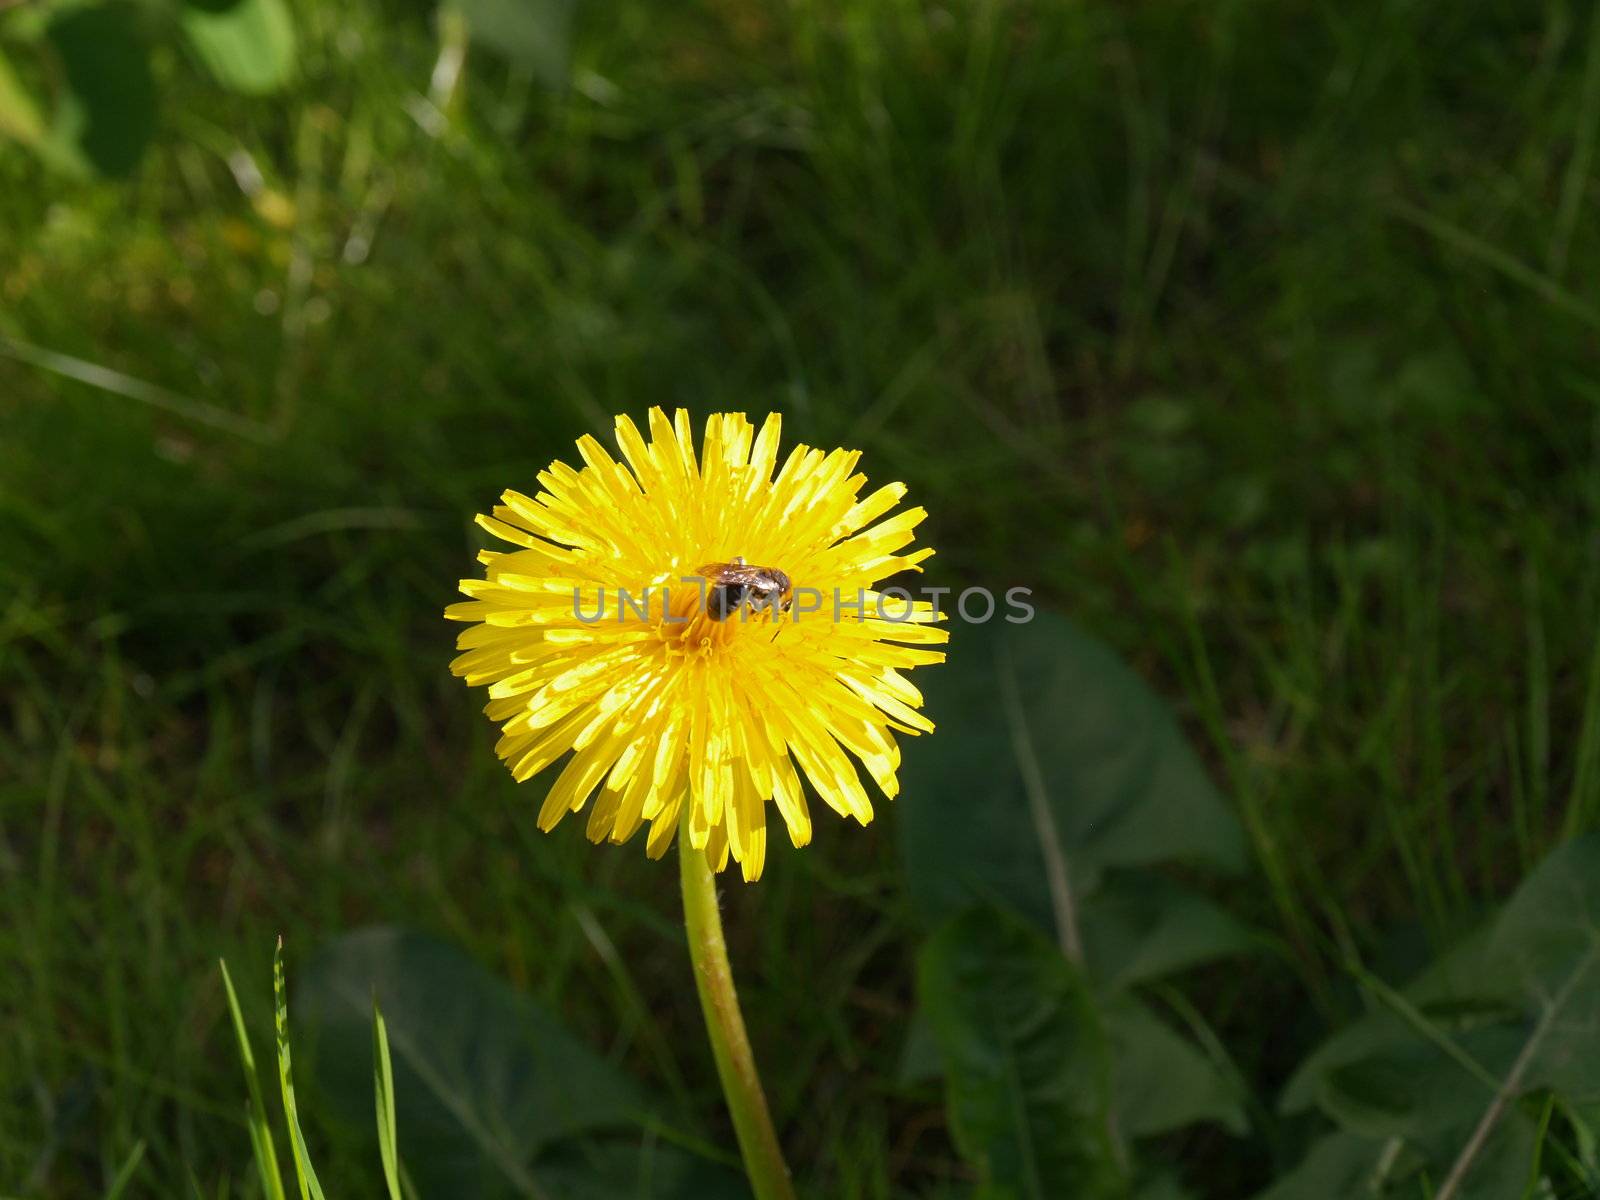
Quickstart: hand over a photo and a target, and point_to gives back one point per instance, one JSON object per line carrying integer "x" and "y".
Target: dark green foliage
{"x": 1027, "y": 1058}
{"x": 108, "y": 111}
{"x": 1041, "y": 705}
{"x": 1454, "y": 1071}
{"x": 1057, "y": 782}
{"x": 97, "y": 65}
{"x": 1162, "y": 1081}
{"x": 1140, "y": 926}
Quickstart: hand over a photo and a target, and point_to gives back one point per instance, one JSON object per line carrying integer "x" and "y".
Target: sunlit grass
{"x": 263, "y": 1146}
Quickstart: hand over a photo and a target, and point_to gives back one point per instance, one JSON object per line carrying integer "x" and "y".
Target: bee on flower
{"x": 650, "y": 623}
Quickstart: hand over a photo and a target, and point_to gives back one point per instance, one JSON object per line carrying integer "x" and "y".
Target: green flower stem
{"x": 736, "y": 1066}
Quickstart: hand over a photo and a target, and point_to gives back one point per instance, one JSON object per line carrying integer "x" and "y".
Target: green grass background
{"x": 1259, "y": 337}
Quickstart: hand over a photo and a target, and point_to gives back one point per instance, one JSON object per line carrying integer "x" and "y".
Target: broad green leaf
{"x": 1025, "y": 1058}
{"x": 1461, "y": 993}
{"x": 1347, "y": 1165}
{"x": 248, "y": 46}
{"x": 1041, "y": 711}
{"x": 310, "y": 1187}
{"x": 265, "y": 1152}
{"x": 1057, "y": 781}
{"x": 1424, "y": 1059}
{"x": 1339, "y": 1165}
{"x": 1160, "y": 1082}
{"x": 1412, "y": 1088}
{"x": 533, "y": 34}
{"x": 485, "y": 1079}
{"x": 1499, "y": 1170}
{"x": 107, "y": 113}
{"x": 1553, "y": 919}
{"x": 1515, "y": 1009}
{"x": 1140, "y": 926}
{"x": 1529, "y": 982}
{"x": 1548, "y": 939}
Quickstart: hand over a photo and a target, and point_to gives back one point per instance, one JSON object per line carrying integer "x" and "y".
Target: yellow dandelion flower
{"x": 615, "y": 632}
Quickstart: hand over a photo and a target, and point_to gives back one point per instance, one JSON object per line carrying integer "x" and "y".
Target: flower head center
{"x": 729, "y": 596}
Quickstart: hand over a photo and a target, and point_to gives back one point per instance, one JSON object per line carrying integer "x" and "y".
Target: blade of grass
{"x": 125, "y": 1173}
{"x": 198, "y": 1192}
{"x": 383, "y": 1090}
{"x": 1513, "y": 268}
{"x": 310, "y": 1187}
{"x": 1572, "y": 187}
{"x": 1530, "y": 1190}
{"x": 1581, "y": 801}
{"x": 1538, "y": 708}
{"x": 266, "y": 1154}
{"x": 118, "y": 384}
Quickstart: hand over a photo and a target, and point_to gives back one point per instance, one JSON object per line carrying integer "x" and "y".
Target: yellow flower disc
{"x": 598, "y": 635}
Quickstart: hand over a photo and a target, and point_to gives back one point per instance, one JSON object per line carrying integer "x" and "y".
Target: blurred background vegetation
{"x": 1259, "y": 337}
